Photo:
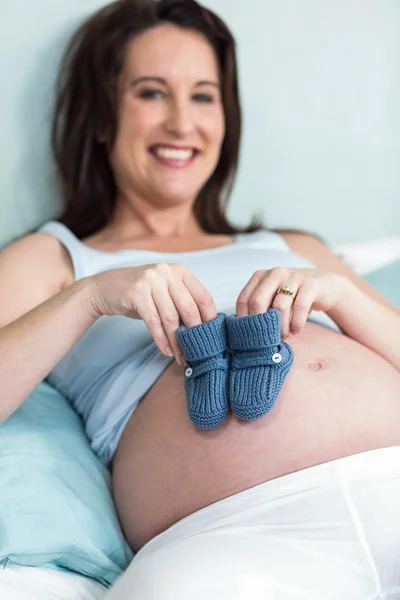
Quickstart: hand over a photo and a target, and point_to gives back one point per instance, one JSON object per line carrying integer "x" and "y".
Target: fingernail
{"x": 169, "y": 352}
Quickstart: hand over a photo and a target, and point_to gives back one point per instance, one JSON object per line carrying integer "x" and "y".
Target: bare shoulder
{"x": 313, "y": 250}
{"x": 322, "y": 257}
{"x": 39, "y": 253}
{"x": 32, "y": 269}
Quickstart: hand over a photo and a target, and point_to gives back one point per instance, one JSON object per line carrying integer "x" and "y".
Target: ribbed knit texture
{"x": 204, "y": 348}
{"x": 255, "y": 380}
{"x": 257, "y": 331}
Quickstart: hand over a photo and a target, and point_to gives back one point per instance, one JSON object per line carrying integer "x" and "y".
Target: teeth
{"x": 174, "y": 154}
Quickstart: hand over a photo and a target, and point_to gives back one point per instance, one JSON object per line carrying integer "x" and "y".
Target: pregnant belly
{"x": 339, "y": 398}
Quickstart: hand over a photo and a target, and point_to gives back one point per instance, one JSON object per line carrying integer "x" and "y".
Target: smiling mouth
{"x": 174, "y": 157}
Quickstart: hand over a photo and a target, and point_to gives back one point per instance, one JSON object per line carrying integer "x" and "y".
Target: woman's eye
{"x": 203, "y": 98}
{"x": 151, "y": 94}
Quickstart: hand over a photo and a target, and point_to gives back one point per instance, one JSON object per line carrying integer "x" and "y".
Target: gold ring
{"x": 287, "y": 290}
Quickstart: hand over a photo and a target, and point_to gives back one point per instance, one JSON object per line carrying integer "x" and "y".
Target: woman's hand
{"x": 162, "y": 295}
{"x": 315, "y": 290}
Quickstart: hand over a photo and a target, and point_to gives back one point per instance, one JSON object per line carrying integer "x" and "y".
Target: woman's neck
{"x": 144, "y": 222}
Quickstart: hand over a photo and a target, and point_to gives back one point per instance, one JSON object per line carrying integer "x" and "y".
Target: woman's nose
{"x": 180, "y": 119}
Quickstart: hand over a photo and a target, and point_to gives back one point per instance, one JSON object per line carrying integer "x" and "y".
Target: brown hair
{"x": 86, "y": 104}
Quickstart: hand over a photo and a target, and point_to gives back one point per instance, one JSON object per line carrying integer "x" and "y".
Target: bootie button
{"x": 277, "y": 358}
{"x": 189, "y": 372}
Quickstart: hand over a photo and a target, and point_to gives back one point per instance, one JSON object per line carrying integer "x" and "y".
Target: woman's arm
{"x": 323, "y": 258}
{"x": 39, "y": 320}
{"x": 365, "y": 315}
{"x": 43, "y": 313}
{"x": 373, "y": 325}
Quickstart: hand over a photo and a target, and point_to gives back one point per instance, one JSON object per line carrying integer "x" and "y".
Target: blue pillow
{"x": 387, "y": 281}
{"x": 56, "y": 508}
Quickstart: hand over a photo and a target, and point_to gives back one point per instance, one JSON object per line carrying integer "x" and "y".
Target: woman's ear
{"x": 101, "y": 138}
{"x": 103, "y": 132}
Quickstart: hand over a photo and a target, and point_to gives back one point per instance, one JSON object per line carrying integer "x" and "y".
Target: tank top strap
{"x": 72, "y": 244}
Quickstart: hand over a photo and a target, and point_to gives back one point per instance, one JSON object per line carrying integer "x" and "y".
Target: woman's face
{"x": 171, "y": 121}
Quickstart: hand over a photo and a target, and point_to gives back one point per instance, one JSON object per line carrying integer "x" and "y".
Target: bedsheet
{"x": 34, "y": 583}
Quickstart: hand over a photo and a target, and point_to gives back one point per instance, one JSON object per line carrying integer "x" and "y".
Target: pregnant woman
{"x": 300, "y": 503}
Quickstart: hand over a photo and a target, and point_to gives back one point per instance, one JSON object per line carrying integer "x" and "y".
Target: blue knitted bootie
{"x": 206, "y": 379}
{"x": 259, "y": 365}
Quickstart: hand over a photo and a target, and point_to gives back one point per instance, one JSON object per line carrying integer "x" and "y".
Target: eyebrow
{"x": 164, "y": 81}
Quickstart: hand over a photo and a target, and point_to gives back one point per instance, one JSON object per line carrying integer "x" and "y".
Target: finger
{"x": 174, "y": 308}
{"x": 284, "y": 305}
{"x": 148, "y": 312}
{"x": 188, "y": 311}
{"x": 242, "y": 303}
{"x": 263, "y": 296}
{"x": 202, "y": 297}
{"x": 301, "y": 307}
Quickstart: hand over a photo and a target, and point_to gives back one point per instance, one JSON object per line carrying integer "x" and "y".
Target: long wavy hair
{"x": 86, "y": 104}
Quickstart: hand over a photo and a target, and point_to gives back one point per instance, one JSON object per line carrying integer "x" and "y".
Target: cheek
{"x": 213, "y": 127}
{"x": 138, "y": 122}
{"x": 131, "y": 131}
{"x": 134, "y": 131}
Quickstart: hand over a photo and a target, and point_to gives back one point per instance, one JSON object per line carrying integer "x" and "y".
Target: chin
{"x": 177, "y": 195}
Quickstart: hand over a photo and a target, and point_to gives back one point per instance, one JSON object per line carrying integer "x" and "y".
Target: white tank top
{"x": 116, "y": 361}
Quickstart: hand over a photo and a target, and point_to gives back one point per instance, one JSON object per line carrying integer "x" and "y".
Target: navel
{"x": 318, "y": 365}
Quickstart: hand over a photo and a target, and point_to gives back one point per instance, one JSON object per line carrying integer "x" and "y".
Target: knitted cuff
{"x": 254, "y": 332}
{"x": 204, "y": 340}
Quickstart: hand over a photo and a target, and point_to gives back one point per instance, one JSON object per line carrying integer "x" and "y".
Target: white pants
{"x": 326, "y": 532}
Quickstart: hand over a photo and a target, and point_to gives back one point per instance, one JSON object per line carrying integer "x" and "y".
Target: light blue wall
{"x": 32, "y": 36}
{"x": 321, "y": 95}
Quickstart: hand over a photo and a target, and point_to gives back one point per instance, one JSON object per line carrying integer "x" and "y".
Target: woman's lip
{"x": 172, "y": 147}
